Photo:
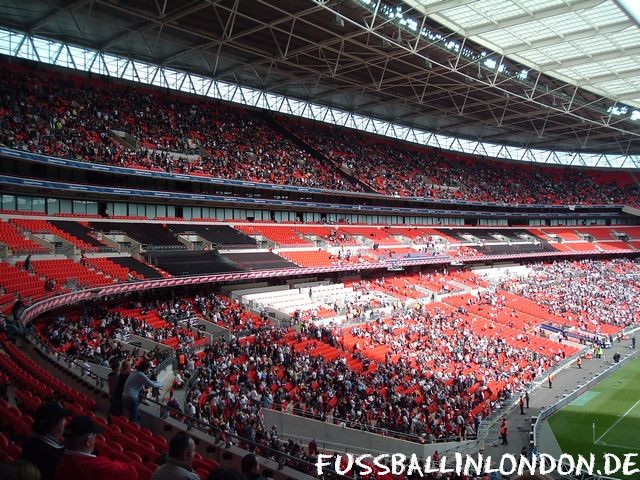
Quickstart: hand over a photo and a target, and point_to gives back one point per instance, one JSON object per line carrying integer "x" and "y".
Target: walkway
{"x": 564, "y": 382}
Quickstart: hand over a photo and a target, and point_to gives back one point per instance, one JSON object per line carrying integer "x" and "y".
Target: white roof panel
{"x": 595, "y": 38}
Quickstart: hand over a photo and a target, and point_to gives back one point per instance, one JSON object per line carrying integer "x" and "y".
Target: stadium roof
{"x": 593, "y": 44}
{"x": 537, "y": 74}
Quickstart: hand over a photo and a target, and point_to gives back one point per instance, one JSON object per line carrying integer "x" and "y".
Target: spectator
{"x": 249, "y": 467}
{"x": 112, "y": 383}
{"x": 19, "y": 470}
{"x": 504, "y": 432}
{"x": 44, "y": 448}
{"x": 133, "y": 389}
{"x": 80, "y": 463}
{"x": 178, "y": 466}
{"x": 116, "y": 408}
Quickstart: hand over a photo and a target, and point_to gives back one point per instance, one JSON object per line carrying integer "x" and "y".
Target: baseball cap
{"x": 50, "y": 411}
{"x": 79, "y": 426}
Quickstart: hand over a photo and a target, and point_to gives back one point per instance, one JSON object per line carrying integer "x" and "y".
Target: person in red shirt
{"x": 78, "y": 461}
{"x": 503, "y": 432}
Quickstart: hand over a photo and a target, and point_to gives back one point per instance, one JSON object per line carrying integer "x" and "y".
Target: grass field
{"x": 614, "y": 406}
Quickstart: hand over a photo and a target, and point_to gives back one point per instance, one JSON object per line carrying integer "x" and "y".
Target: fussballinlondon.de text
{"x": 507, "y": 464}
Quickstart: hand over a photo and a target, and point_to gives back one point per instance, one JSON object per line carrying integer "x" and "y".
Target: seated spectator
{"x": 79, "y": 462}
{"x": 178, "y": 466}
{"x": 44, "y": 448}
{"x": 249, "y": 467}
{"x": 19, "y": 470}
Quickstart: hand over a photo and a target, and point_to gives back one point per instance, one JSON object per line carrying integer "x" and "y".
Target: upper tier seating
{"x": 106, "y": 266}
{"x": 15, "y": 280}
{"x": 282, "y": 235}
{"x": 65, "y": 271}
{"x": 152, "y": 235}
{"x": 376, "y": 235}
{"x": 81, "y": 231}
{"x": 221, "y": 236}
{"x": 191, "y": 262}
{"x": 68, "y": 232}
{"x": 142, "y": 269}
{"x": 18, "y": 244}
{"x": 65, "y": 115}
{"x": 400, "y": 169}
{"x": 258, "y": 261}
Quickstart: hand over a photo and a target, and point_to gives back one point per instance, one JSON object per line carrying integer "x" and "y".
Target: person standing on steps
{"x": 132, "y": 387}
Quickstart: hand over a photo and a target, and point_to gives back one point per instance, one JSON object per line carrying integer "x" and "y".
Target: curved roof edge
{"x": 61, "y": 54}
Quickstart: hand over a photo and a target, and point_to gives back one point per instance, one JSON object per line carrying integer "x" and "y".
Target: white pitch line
{"x": 624, "y": 447}
{"x": 617, "y": 422}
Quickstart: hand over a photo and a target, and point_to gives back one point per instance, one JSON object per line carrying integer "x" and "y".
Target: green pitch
{"x": 614, "y": 407}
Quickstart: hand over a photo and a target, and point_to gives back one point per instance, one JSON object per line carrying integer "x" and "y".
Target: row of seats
{"x": 121, "y": 439}
{"x": 44, "y": 227}
{"x": 76, "y": 118}
{"x": 18, "y": 244}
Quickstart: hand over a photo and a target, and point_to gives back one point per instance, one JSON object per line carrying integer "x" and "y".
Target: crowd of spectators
{"x": 67, "y": 116}
{"x": 398, "y": 169}
{"x": 426, "y": 373}
{"x": 94, "y": 340}
{"x": 98, "y": 334}
{"x": 585, "y": 293}
{"x": 397, "y": 396}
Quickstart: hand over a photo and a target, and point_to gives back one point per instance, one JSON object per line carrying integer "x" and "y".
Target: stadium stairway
{"x": 318, "y": 155}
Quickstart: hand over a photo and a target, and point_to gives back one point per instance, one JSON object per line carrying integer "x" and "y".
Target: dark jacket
{"x": 44, "y": 452}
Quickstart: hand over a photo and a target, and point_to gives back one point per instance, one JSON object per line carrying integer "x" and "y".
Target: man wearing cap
{"x": 132, "y": 387}
{"x": 44, "y": 448}
{"x": 78, "y": 461}
{"x": 178, "y": 466}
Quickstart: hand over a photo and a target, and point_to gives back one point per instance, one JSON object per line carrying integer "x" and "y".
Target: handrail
{"x": 387, "y": 432}
{"x": 188, "y": 421}
{"x": 79, "y": 164}
{"x": 189, "y": 384}
{"x": 168, "y": 360}
{"x": 58, "y": 301}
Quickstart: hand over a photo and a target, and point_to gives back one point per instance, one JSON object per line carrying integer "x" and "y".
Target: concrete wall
{"x": 149, "y": 344}
{"x": 342, "y": 439}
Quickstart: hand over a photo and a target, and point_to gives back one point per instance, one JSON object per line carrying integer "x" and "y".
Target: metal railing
{"x": 189, "y": 384}
{"x": 164, "y": 364}
{"x": 387, "y": 432}
{"x": 190, "y": 423}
